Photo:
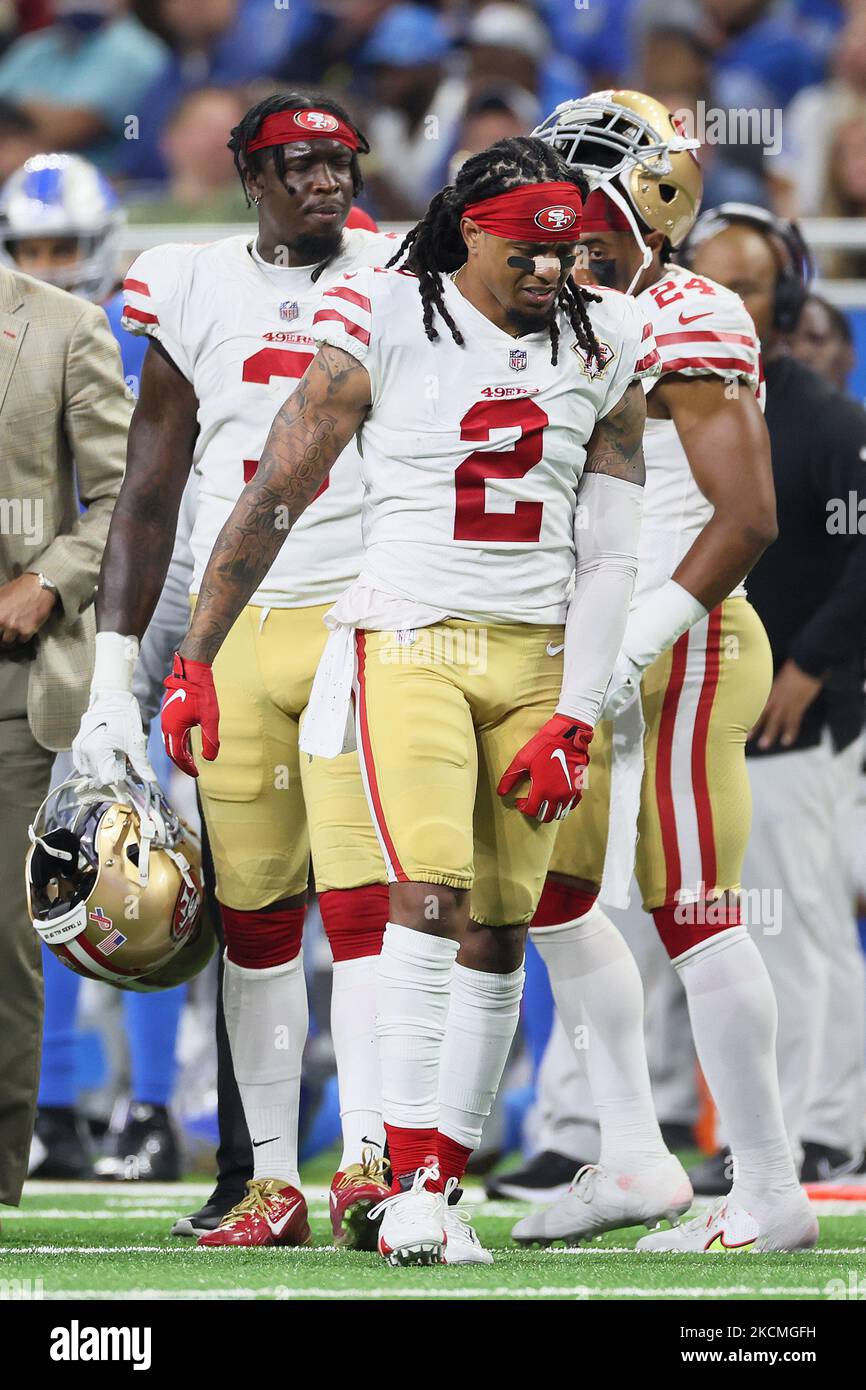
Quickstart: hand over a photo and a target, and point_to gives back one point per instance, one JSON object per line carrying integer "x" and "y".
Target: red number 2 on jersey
{"x": 472, "y": 522}
{"x": 260, "y": 368}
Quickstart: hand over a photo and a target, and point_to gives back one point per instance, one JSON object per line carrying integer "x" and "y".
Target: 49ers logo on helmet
{"x": 319, "y": 121}
{"x": 555, "y": 219}
{"x": 185, "y": 912}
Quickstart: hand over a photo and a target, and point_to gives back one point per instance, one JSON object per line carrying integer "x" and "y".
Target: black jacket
{"x": 809, "y": 587}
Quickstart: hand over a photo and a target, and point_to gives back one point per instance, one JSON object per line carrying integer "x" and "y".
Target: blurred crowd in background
{"x": 149, "y": 88}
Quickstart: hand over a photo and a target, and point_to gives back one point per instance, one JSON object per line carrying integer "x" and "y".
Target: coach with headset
{"x": 805, "y": 750}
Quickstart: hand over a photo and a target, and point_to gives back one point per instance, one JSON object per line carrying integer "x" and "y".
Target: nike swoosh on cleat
{"x": 276, "y": 1227}
{"x": 719, "y": 1243}
{"x": 554, "y": 651}
{"x": 257, "y": 1143}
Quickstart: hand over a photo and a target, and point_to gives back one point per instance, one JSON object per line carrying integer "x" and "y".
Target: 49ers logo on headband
{"x": 319, "y": 121}
{"x": 555, "y": 219}
{"x": 530, "y": 212}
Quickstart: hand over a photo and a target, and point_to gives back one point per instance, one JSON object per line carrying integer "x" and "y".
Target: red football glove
{"x": 190, "y": 699}
{"x": 555, "y": 762}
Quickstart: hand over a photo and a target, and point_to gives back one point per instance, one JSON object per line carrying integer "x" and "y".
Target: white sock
{"x": 482, "y": 1019}
{"x": 413, "y": 983}
{"x": 733, "y": 1013}
{"x": 266, "y": 1020}
{"x": 599, "y": 998}
{"x": 353, "y": 1030}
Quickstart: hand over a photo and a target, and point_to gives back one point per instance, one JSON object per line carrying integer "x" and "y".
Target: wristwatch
{"x": 45, "y": 582}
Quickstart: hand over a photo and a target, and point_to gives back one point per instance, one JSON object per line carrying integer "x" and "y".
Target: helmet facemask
{"x": 628, "y": 146}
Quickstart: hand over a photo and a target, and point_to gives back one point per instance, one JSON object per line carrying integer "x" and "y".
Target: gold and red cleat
{"x": 353, "y": 1193}
{"x": 272, "y": 1213}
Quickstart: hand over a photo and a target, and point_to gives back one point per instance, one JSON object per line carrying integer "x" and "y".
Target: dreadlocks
{"x": 248, "y": 128}
{"x": 435, "y": 247}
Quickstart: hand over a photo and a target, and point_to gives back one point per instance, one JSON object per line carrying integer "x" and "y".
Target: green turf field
{"x": 96, "y": 1241}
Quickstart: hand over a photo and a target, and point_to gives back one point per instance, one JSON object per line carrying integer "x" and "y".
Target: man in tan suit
{"x": 64, "y": 415}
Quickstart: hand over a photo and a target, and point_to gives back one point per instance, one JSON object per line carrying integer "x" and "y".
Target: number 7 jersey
{"x": 472, "y": 455}
{"x": 239, "y": 331}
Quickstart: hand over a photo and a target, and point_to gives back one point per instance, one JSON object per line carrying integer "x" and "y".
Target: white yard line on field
{"x": 580, "y": 1292}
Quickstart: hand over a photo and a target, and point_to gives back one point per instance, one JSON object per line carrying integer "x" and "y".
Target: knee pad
{"x": 688, "y": 925}
{"x": 562, "y": 902}
{"x": 354, "y": 920}
{"x": 265, "y": 938}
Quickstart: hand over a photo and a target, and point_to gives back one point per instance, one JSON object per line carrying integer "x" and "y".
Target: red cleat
{"x": 353, "y": 1194}
{"x": 272, "y": 1213}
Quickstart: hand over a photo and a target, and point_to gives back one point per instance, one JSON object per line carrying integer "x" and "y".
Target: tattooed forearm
{"x": 309, "y": 433}
{"x": 616, "y": 446}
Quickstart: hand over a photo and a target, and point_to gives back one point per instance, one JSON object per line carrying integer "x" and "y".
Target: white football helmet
{"x": 63, "y": 195}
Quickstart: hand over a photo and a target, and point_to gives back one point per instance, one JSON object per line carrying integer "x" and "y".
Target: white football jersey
{"x": 239, "y": 330}
{"x": 471, "y": 456}
{"x": 701, "y": 329}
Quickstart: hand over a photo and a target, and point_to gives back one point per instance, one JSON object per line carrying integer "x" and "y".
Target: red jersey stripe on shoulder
{"x": 709, "y": 364}
{"x": 355, "y": 329}
{"x": 352, "y": 296}
{"x": 136, "y": 286}
{"x": 695, "y": 336}
{"x": 139, "y": 315}
{"x": 646, "y": 362}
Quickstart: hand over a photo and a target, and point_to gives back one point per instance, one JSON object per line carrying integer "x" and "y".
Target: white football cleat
{"x": 462, "y": 1246}
{"x": 602, "y": 1200}
{"x": 728, "y": 1227}
{"x": 413, "y": 1223}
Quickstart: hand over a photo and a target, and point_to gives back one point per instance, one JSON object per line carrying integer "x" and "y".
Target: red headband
{"x": 285, "y": 127}
{"x": 601, "y": 214}
{"x": 533, "y": 212}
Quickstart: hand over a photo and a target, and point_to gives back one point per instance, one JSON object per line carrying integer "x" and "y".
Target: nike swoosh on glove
{"x": 623, "y": 687}
{"x": 190, "y": 700}
{"x": 555, "y": 762}
{"x": 110, "y": 733}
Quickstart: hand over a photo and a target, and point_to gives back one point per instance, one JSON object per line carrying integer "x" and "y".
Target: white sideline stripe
{"x": 181, "y": 1247}
{"x": 186, "y": 1193}
{"x": 36, "y": 1188}
{"x": 283, "y": 1292}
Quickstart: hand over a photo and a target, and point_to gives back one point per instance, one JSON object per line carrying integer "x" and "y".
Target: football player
{"x": 500, "y": 415}
{"x": 690, "y": 681}
{"x": 228, "y": 325}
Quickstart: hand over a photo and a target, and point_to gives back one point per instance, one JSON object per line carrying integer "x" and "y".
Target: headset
{"x": 796, "y": 267}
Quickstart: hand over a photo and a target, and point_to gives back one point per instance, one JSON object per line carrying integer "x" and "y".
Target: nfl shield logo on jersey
{"x": 517, "y": 360}
{"x": 289, "y": 310}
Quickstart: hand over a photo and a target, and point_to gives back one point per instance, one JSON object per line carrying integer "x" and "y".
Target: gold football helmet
{"x": 114, "y": 886}
{"x": 632, "y": 147}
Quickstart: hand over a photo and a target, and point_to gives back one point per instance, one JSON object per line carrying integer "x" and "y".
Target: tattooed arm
{"x": 616, "y": 446}
{"x": 309, "y": 433}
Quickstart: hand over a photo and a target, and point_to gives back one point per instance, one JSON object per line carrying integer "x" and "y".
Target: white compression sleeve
{"x": 658, "y": 621}
{"x": 114, "y": 662}
{"x": 607, "y": 529}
